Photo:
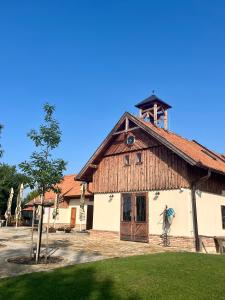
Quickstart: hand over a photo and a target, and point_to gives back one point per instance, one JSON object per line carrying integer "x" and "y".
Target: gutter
{"x": 194, "y": 186}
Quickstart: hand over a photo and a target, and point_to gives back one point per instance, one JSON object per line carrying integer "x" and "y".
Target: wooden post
{"x": 55, "y": 209}
{"x": 155, "y": 114}
{"x": 140, "y": 113}
{"x": 126, "y": 124}
{"x": 39, "y": 232}
{"x": 47, "y": 232}
{"x": 32, "y": 232}
{"x": 195, "y": 218}
{"x": 166, "y": 119}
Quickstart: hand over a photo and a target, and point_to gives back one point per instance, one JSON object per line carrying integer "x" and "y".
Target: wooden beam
{"x": 80, "y": 176}
{"x": 147, "y": 110}
{"x": 125, "y": 131}
{"x": 155, "y": 114}
{"x": 163, "y": 141}
{"x": 93, "y": 166}
{"x": 126, "y": 124}
{"x": 166, "y": 119}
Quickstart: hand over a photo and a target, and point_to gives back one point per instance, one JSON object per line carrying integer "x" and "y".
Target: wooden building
{"x": 142, "y": 172}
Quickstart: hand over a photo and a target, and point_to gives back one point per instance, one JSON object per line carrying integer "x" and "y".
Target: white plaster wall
{"x": 62, "y": 218}
{"x": 107, "y": 212}
{"x": 209, "y": 214}
{"x": 180, "y": 201}
{"x": 76, "y": 203}
{"x": 64, "y": 215}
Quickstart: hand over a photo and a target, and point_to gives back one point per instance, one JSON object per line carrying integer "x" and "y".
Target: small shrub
{"x": 51, "y": 230}
{"x": 60, "y": 228}
{"x": 68, "y": 229}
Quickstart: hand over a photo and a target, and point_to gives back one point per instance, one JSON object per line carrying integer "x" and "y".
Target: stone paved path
{"x": 73, "y": 247}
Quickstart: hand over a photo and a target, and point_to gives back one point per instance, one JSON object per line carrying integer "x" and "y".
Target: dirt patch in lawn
{"x": 25, "y": 260}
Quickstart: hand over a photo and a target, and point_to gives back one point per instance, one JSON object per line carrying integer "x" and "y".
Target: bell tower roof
{"x": 150, "y": 101}
{"x": 154, "y": 110}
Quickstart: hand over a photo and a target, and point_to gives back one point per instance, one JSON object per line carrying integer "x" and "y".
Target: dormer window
{"x": 126, "y": 160}
{"x": 138, "y": 158}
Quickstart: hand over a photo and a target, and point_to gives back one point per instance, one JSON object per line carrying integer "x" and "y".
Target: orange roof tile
{"x": 191, "y": 151}
{"x": 28, "y": 208}
{"x": 200, "y": 154}
{"x": 69, "y": 188}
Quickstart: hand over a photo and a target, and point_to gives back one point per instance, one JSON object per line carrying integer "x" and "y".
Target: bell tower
{"x": 154, "y": 110}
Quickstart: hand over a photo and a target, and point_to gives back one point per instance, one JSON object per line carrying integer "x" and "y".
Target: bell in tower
{"x": 154, "y": 110}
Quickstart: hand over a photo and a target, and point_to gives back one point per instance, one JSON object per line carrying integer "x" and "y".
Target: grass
{"x": 157, "y": 276}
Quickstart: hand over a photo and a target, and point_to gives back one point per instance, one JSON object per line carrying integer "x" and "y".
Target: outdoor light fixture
{"x": 111, "y": 197}
{"x": 156, "y": 195}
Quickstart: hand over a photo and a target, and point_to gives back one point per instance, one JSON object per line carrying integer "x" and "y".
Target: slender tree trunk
{"x": 47, "y": 232}
{"x": 40, "y": 225}
{"x": 55, "y": 209}
{"x": 32, "y": 233}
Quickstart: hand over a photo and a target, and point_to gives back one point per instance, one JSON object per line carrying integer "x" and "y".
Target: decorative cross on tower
{"x": 154, "y": 109}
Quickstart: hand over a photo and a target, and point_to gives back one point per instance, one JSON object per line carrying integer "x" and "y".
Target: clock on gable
{"x": 130, "y": 140}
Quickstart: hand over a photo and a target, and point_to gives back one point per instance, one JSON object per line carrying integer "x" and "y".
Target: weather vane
{"x": 153, "y": 92}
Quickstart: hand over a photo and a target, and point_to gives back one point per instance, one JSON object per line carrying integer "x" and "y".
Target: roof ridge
{"x": 182, "y": 146}
{"x": 210, "y": 151}
{"x": 159, "y": 128}
{"x": 69, "y": 175}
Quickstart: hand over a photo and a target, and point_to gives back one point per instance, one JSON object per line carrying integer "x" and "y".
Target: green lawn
{"x": 156, "y": 276}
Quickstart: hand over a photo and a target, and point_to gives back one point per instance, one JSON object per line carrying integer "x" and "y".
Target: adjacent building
{"x": 69, "y": 211}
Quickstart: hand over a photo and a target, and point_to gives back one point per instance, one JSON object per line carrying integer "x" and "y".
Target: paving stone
{"x": 73, "y": 247}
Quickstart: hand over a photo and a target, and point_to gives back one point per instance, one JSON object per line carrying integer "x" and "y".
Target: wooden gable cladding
{"x": 160, "y": 169}
{"x": 119, "y": 145}
{"x": 215, "y": 184}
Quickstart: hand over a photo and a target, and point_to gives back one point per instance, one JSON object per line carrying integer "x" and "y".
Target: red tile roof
{"x": 194, "y": 153}
{"x": 69, "y": 189}
{"x": 28, "y": 208}
{"x": 200, "y": 154}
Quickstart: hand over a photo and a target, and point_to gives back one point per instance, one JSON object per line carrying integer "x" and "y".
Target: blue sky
{"x": 96, "y": 59}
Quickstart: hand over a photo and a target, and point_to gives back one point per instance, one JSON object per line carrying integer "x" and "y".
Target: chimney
{"x": 155, "y": 111}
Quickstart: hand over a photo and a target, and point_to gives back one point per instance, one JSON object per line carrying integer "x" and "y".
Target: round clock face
{"x": 130, "y": 140}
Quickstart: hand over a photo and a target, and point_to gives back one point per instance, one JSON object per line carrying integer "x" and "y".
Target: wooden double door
{"x": 134, "y": 217}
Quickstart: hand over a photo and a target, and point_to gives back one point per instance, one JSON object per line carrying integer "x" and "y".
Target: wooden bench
{"x": 220, "y": 244}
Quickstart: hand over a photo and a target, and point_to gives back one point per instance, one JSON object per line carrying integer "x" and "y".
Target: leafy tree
{"x": 43, "y": 171}
{"x": 30, "y": 196}
{"x": 9, "y": 177}
{"x": 1, "y": 150}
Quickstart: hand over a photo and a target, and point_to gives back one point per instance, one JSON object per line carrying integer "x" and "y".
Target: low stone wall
{"x": 58, "y": 225}
{"x": 176, "y": 242}
{"x": 207, "y": 244}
